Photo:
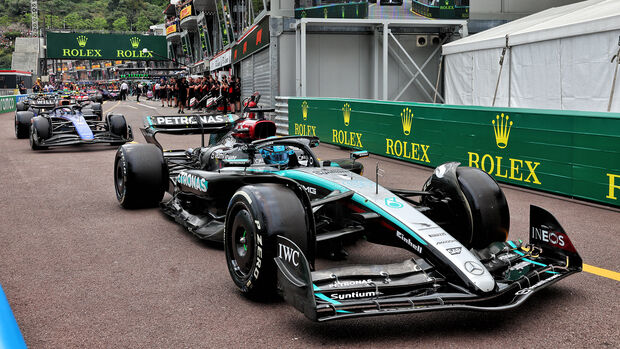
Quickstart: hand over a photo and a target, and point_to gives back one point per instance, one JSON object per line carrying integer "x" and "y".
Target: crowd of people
{"x": 193, "y": 93}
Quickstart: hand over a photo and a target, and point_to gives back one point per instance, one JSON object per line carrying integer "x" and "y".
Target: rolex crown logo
{"x": 406, "y": 117}
{"x": 502, "y": 130}
{"x": 135, "y": 42}
{"x": 304, "y": 109}
{"x": 82, "y": 40}
{"x": 346, "y": 112}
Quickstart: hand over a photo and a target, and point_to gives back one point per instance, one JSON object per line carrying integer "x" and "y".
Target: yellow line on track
{"x": 115, "y": 105}
{"x": 601, "y": 272}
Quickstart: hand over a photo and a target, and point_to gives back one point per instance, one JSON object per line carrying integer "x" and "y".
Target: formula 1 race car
{"x": 69, "y": 125}
{"x": 274, "y": 205}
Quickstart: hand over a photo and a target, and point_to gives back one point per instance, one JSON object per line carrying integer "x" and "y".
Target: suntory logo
{"x": 502, "y": 130}
{"x": 82, "y": 40}
{"x": 346, "y": 113}
{"x": 135, "y": 42}
{"x": 304, "y": 109}
{"x": 406, "y": 117}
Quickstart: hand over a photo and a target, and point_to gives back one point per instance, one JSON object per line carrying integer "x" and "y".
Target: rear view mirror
{"x": 359, "y": 154}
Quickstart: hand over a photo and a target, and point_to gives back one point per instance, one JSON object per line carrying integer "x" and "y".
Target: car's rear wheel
{"x": 22, "y": 124}
{"x": 255, "y": 215}
{"x": 140, "y": 175}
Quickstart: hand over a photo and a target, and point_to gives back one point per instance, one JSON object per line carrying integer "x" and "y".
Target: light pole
{"x": 146, "y": 50}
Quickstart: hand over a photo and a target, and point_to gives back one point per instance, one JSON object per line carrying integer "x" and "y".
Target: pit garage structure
{"x": 560, "y": 58}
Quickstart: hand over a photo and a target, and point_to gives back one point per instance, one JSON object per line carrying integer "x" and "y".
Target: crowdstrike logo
{"x": 192, "y": 181}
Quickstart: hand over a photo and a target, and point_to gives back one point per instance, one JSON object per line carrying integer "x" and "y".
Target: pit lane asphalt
{"x": 79, "y": 271}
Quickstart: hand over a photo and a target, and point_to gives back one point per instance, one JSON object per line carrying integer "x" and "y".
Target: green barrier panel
{"x": 566, "y": 152}
{"x": 343, "y": 10}
{"x": 7, "y": 104}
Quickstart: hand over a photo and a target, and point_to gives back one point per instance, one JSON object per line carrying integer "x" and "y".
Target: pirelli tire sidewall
{"x": 260, "y": 281}
{"x": 140, "y": 175}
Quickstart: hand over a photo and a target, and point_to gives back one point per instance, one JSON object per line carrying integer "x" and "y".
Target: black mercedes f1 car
{"x": 70, "y": 125}
{"x": 273, "y": 203}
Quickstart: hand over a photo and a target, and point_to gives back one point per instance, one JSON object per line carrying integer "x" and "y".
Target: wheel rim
{"x": 120, "y": 179}
{"x": 242, "y": 243}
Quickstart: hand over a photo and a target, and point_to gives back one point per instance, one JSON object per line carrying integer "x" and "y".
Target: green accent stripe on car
{"x": 306, "y": 177}
{"x": 512, "y": 244}
{"x": 533, "y": 262}
{"x": 325, "y": 298}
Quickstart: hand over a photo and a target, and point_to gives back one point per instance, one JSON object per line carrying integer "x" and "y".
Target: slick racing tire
{"x": 140, "y": 175}
{"x": 255, "y": 215}
{"x": 117, "y": 125}
{"x": 489, "y": 208}
{"x": 40, "y": 130}
{"x": 22, "y": 124}
{"x": 96, "y": 108}
{"x": 470, "y": 203}
{"x": 20, "y": 106}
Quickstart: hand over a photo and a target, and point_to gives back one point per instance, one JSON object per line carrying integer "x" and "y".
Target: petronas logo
{"x": 406, "y": 117}
{"x": 304, "y": 109}
{"x": 346, "y": 113}
{"x": 82, "y": 40}
{"x": 502, "y": 127}
{"x": 135, "y": 42}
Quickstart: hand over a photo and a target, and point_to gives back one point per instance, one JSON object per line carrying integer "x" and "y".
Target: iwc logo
{"x": 346, "y": 113}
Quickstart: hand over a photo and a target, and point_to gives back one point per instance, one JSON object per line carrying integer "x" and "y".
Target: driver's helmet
{"x": 276, "y": 155}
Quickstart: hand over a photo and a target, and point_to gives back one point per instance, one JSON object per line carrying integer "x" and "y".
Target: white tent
{"x": 559, "y": 58}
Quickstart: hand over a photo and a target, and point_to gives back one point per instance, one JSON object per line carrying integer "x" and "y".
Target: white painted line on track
{"x": 131, "y": 106}
{"x": 148, "y": 106}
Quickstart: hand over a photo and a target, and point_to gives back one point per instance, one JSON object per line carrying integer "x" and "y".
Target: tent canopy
{"x": 592, "y": 16}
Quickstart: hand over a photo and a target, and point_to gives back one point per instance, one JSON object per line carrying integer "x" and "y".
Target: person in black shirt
{"x": 183, "y": 88}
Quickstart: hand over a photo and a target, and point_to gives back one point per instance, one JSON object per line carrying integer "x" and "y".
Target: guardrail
{"x": 572, "y": 153}
{"x": 7, "y": 103}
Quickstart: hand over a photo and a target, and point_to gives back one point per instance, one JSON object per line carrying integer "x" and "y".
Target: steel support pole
{"x": 297, "y": 62}
{"x": 303, "y": 60}
{"x": 385, "y": 61}
{"x": 375, "y": 81}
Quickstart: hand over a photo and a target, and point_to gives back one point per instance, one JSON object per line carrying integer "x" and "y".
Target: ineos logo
{"x": 288, "y": 254}
{"x": 474, "y": 268}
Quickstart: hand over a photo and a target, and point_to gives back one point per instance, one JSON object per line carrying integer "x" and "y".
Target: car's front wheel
{"x": 140, "y": 175}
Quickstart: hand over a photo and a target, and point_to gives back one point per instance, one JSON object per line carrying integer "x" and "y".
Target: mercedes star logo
{"x": 474, "y": 268}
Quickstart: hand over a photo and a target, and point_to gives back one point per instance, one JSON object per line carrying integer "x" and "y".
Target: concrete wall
{"x": 25, "y": 57}
{"x": 341, "y": 65}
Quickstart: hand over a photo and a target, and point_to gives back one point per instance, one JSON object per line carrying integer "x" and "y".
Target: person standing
{"x": 22, "y": 88}
{"x": 138, "y": 92}
{"x": 124, "y": 90}
{"x": 183, "y": 88}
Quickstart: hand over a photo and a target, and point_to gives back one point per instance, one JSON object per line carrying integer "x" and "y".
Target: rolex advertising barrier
{"x": 565, "y": 152}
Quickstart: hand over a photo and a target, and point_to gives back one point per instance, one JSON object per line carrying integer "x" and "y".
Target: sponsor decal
{"x": 474, "y": 268}
{"x": 135, "y": 42}
{"x": 310, "y": 190}
{"x": 552, "y": 237}
{"x": 613, "y": 186}
{"x": 81, "y": 40}
{"x": 446, "y": 242}
{"x": 405, "y": 148}
{"x": 304, "y": 129}
{"x": 348, "y": 283}
{"x": 304, "y": 110}
{"x": 192, "y": 181}
{"x": 408, "y": 242}
{"x": 393, "y": 202}
{"x": 454, "y": 251}
{"x": 171, "y": 29}
{"x": 186, "y": 120}
{"x": 186, "y": 11}
{"x": 356, "y": 294}
{"x": 518, "y": 170}
{"x": 346, "y": 113}
{"x": 288, "y": 254}
{"x": 437, "y": 234}
{"x": 351, "y": 139}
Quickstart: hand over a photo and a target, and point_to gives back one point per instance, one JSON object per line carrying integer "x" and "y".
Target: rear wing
{"x": 186, "y": 124}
